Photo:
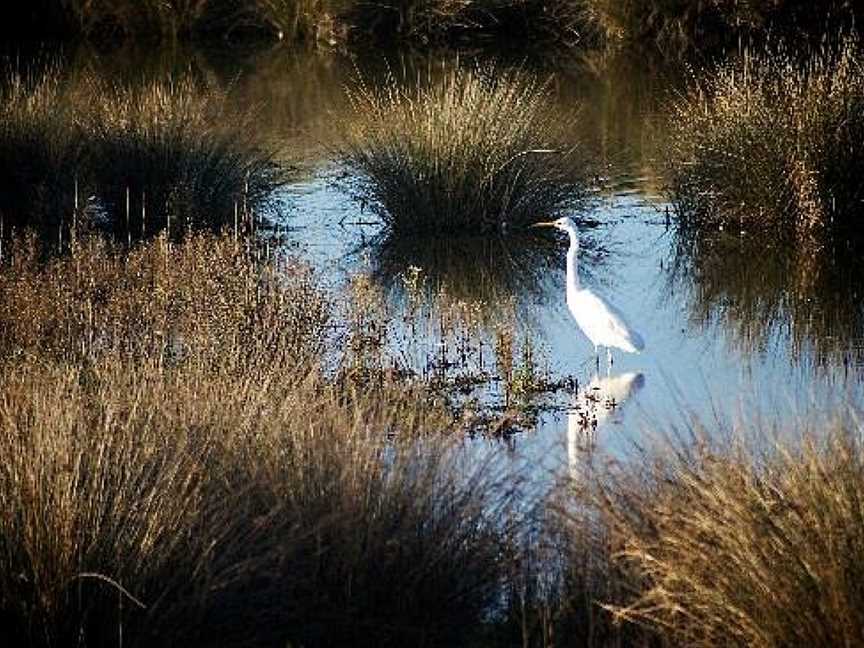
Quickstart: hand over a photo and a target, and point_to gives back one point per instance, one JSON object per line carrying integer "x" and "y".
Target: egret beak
{"x": 544, "y": 224}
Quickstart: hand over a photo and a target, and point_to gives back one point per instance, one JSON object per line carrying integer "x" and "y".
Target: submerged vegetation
{"x": 477, "y": 150}
{"x": 773, "y": 147}
{"x": 98, "y": 154}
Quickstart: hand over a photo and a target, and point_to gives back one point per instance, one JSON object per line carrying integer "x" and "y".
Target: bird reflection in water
{"x": 592, "y": 406}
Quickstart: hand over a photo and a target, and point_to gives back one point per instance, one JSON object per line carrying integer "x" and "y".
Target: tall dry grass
{"x": 772, "y": 146}
{"x": 476, "y": 150}
{"x": 177, "y": 465}
{"x": 744, "y": 543}
{"x": 550, "y": 26}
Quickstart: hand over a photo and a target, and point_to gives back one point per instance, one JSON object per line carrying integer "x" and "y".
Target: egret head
{"x": 565, "y": 224}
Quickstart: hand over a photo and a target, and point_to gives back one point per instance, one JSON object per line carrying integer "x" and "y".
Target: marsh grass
{"x": 197, "y": 302}
{"x": 109, "y": 19}
{"x": 167, "y": 150}
{"x": 475, "y": 151}
{"x": 746, "y": 543}
{"x": 547, "y": 25}
{"x": 179, "y": 153}
{"x": 771, "y": 146}
{"x": 177, "y": 465}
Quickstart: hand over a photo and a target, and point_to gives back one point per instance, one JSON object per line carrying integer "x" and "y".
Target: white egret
{"x": 600, "y": 321}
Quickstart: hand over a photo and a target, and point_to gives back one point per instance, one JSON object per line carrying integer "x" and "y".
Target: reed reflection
{"x": 485, "y": 271}
{"x": 803, "y": 297}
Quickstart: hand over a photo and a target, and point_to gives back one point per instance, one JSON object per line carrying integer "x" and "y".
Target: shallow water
{"x": 732, "y": 333}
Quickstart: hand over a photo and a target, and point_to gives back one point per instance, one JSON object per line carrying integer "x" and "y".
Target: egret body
{"x": 602, "y": 323}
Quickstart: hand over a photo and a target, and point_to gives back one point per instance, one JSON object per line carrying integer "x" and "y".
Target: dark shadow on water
{"x": 803, "y": 298}
{"x": 488, "y": 271}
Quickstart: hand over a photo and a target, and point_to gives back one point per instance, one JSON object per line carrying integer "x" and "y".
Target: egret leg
{"x": 597, "y": 357}
{"x": 609, "y": 356}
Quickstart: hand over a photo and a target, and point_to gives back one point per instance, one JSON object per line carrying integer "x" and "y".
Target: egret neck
{"x": 572, "y": 265}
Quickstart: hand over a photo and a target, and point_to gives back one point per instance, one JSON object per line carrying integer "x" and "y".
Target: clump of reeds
{"x": 111, "y": 19}
{"x": 171, "y": 149}
{"x": 175, "y": 464}
{"x": 671, "y": 25}
{"x": 477, "y": 150}
{"x": 769, "y": 145}
{"x": 742, "y": 545}
{"x": 142, "y": 156}
{"x": 305, "y": 21}
{"x": 195, "y": 302}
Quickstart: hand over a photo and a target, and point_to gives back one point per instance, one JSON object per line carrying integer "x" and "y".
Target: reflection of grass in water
{"x": 494, "y": 274}
{"x": 622, "y": 96}
{"x": 486, "y": 270}
{"x": 807, "y": 296}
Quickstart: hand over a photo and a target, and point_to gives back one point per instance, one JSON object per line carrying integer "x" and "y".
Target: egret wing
{"x": 603, "y": 323}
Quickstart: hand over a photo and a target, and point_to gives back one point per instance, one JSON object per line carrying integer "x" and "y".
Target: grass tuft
{"x": 773, "y": 147}
{"x": 94, "y": 153}
{"x": 746, "y": 546}
{"x": 683, "y": 27}
{"x": 178, "y": 152}
{"x": 477, "y": 150}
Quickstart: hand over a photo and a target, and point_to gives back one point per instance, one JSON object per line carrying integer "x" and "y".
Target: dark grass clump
{"x": 177, "y": 466}
{"x": 547, "y": 25}
{"x": 90, "y": 153}
{"x": 42, "y": 152}
{"x": 560, "y": 591}
{"x": 738, "y": 545}
{"x": 773, "y": 147}
{"x": 476, "y": 151}
{"x": 550, "y": 25}
{"x": 174, "y": 151}
{"x": 684, "y": 27}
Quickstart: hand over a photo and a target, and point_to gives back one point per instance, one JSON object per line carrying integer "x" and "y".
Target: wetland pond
{"x": 733, "y": 331}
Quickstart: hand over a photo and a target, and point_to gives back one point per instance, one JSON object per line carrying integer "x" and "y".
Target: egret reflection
{"x": 593, "y": 405}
